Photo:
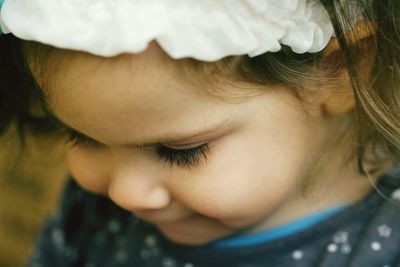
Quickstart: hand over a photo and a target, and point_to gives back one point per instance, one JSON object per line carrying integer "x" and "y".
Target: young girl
{"x": 213, "y": 133}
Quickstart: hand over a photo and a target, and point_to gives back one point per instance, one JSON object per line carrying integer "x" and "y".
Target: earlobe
{"x": 338, "y": 103}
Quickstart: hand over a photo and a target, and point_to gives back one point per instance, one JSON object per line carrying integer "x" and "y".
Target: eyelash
{"x": 183, "y": 158}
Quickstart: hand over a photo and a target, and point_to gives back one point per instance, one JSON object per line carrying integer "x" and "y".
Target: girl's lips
{"x": 157, "y": 217}
{"x": 173, "y": 213}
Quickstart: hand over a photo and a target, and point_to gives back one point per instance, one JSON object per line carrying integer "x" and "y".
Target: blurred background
{"x": 31, "y": 180}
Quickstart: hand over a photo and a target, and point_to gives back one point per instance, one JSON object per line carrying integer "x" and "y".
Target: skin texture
{"x": 263, "y": 150}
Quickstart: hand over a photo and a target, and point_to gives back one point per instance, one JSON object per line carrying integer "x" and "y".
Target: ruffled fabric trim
{"x": 206, "y": 30}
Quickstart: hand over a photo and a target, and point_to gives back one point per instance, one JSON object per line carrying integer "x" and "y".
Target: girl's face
{"x": 210, "y": 167}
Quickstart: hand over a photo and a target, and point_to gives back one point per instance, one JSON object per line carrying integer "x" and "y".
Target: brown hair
{"x": 375, "y": 121}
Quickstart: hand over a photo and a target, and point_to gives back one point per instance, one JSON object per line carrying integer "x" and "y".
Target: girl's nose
{"x": 137, "y": 190}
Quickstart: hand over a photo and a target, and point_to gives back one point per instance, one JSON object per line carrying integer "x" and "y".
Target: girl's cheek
{"x": 90, "y": 168}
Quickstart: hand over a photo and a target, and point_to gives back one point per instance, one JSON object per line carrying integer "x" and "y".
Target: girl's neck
{"x": 331, "y": 187}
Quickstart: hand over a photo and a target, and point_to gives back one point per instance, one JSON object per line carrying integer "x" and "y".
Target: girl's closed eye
{"x": 188, "y": 157}
{"x": 183, "y": 158}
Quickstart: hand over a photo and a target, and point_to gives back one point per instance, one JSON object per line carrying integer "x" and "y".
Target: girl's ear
{"x": 338, "y": 95}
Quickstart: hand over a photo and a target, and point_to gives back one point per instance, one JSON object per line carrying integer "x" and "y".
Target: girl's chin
{"x": 195, "y": 231}
{"x": 191, "y": 238}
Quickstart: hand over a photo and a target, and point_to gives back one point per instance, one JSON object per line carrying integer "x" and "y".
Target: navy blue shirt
{"x": 89, "y": 231}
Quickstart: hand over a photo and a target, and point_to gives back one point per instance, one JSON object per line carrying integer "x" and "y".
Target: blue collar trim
{"x": 277, "y": 232}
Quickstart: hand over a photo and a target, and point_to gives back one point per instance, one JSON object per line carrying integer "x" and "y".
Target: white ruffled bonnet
{"x": 206, "y": 30}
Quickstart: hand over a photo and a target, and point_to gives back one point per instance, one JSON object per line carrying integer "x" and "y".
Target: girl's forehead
{"x": 145, "y": 72}
{"x": 146, "y": 81}
{"x": 122, "y": 81}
